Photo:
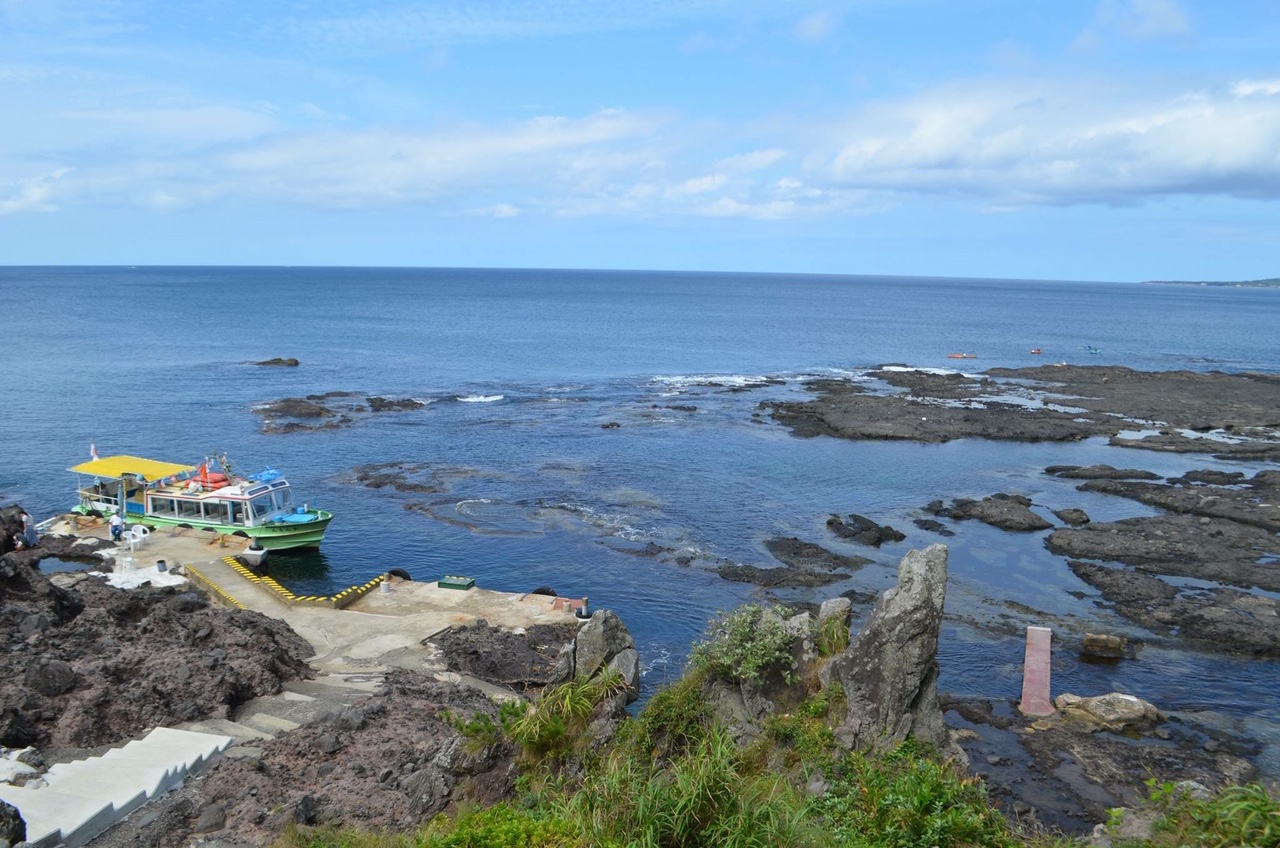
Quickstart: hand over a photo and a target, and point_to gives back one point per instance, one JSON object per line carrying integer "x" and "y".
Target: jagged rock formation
{"x": 890, "y": 670}
{"x": 93, "y": 664}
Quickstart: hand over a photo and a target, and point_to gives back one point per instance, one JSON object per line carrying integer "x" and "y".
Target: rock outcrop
{"x": 1114, "y": 711}
{"x": 859, "y": 528}
{"x": 94, "y": 664}
{"x": 1008, "y": 512}
{"x": 890, "y": 670}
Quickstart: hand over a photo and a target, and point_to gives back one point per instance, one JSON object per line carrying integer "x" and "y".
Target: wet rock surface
{"x": 1053, "y": 403}
{"x": 328, "y": 411}
{"x": 1219, "y": 619}
{"x": 1179, "y": 545}
{"x": 1068, "y": 774}
{"x": 806, "y": 565}
{"x": 1008, "y": 512}
{"x": 1100, "y": 472}
{"x": 860, "y": 529}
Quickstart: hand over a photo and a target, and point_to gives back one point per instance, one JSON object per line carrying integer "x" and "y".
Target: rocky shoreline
{"x": 1198, "y": 575}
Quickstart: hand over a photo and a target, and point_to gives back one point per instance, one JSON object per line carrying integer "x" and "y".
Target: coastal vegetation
{"x": 674, "y": 776}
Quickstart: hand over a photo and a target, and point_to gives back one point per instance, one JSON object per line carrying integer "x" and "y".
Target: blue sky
{"x": 1093, "y": 140}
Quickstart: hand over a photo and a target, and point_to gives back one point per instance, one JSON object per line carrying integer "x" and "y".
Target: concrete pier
{"x": 1036, "y": 699}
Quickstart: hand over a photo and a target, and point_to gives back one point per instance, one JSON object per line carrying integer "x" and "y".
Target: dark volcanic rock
{"x": 1256, "y": 503}
{"x": 933, "y": 526}
{"x": 501, "y": 656}
{"x": 1210, "y": 476}
{"x": 807, "y": 555}
{"x": 12, "y": 828}
{"x": 1076, "y": 402}
{"x": 1008, "y": 512}
{"x": 296, "y": 408}
{"x": 384, "y": 404}
{"x": 1225, "y": 620}
{"x": 290, "y": 362}
{"x": 102, "y": 664}
{"x": 1183, "y": 545}
{"x": 778, "y": 578}
{"x": 861, "y": 529}
{"x": 1085, "y": 772}
{"x": 1071, "y": 515}
{"x": 1100, "y": 472}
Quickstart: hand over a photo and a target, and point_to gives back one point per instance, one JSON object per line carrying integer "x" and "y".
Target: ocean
{"x": 524, "y": 486}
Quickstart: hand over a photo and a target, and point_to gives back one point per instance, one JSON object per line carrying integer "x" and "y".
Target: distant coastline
{"x": 1271, "y": 283}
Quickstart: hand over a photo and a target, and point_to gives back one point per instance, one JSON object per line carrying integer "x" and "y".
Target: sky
{"x": 1112, "y": 140}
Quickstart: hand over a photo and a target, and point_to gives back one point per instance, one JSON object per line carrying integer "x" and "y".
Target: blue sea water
{"x": 521, "y": 368}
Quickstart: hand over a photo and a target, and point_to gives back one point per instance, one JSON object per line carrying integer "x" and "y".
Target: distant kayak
{"x": 962, "y": 356}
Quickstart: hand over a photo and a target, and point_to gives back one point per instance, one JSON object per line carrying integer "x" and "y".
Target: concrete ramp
{"x": 79, "y": 800}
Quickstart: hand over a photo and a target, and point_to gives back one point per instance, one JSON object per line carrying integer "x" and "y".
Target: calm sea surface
{"x": 521, "y": 369}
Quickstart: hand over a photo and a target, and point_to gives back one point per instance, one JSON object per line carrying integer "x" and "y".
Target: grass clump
{"x": 705, "y": 799}
{"x": 907, "y": 799}
{"x": 833, "y": 636}
{"x": 749, "y": 643}
{"x": 1244, "y": 815}
{"x": 554, "y": 725}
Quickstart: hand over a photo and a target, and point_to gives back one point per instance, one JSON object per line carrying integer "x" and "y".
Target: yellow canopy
{"x": 118, "y": 466}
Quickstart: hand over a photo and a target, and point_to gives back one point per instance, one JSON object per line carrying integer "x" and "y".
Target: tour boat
{"x": 165, "y": 494}
{"x": 1036, "y": 350}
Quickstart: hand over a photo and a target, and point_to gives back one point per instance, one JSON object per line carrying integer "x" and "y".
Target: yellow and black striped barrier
{"x": 219, "y": 594}
{"x": 338, "y": 601}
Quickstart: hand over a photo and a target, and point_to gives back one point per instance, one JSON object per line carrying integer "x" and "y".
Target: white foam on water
{"x": 480, "y": 398}
{"x": 730, "y": 380}
{"x": 942, "y": 372}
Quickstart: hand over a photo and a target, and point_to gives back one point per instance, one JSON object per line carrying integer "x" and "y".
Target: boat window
{"x": 163, "y": 506}
{"x": 189, "y": 509}
{"x": 215, "y": 511}
{"x": 262, "y": 506}
{"x": 284, "y": 497}
{"x": 237, "y": 512}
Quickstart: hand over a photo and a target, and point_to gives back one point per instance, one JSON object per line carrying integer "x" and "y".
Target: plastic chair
{"x": 135, "y": 536}
{"x": 142, "y": 532}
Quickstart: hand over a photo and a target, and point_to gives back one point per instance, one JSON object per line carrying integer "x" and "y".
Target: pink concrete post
{"x": 1035, "y": 673}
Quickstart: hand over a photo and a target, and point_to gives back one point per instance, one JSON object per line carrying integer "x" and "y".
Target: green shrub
{"x": 1238, "y": 815}
{"x": 553, "y": 725}
{"x": 674, "y": 720}
{"x": 499, "y": 826}
{"x": 904, "y": 800}
{"x": 746, "y": 644}
{"x": 702, "y": 799}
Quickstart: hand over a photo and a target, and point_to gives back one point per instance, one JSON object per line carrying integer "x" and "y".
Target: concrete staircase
{"x": 79, "y": 800}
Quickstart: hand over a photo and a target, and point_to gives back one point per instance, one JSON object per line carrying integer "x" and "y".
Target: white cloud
{"x": 36, "y": 194}
{"x": 498, "y": 210}
{"x": 753, "y": 161}
{"x": 1245, "y": 88}
{"x": 815, "y": 27}
{"x": 1138, "y": 20}
{"x": 1061, "y": 144}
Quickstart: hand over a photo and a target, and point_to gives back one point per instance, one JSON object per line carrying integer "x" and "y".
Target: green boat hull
{"x": 274, "y": 536}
